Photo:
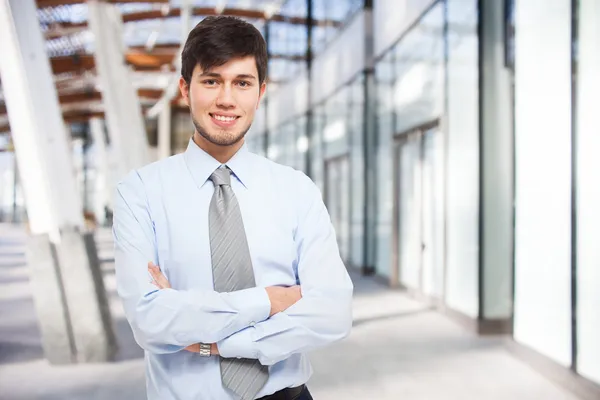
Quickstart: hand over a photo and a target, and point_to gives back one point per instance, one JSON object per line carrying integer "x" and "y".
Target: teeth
{"x": 224, "y": 119}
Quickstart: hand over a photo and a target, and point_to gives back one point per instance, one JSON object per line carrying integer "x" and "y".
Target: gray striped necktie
{"x": 232, "y": 270}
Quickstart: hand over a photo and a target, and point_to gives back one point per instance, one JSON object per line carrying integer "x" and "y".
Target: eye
{"x": 209, "y": 82}
{"x": 244, "y": 84}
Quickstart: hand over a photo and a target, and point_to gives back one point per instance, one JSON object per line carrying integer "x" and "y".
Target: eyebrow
{"x": 216, "y": 75}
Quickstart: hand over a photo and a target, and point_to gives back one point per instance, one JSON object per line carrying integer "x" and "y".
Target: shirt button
{"x": 252, "y": 323}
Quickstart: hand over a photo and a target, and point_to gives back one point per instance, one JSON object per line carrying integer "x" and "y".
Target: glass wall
{"x": 385, "y": 119}
{"x": 288, "y": 143}
{"x": 319, "y": 119}
{"x": 409, "y": 79}
{"x": 588, "y": 176}
{"x": 337, "y": 126}
{"x": 356, "y": 130}
{"x": 339, "y": 11}
{"x": 288, "y": 42}
{"x": 287, "y": 46}
{"x": 339, "y": 122}
{"x": 335, "y": 133}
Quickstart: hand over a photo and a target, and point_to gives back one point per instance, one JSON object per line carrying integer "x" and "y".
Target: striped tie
{"x": 232, "y": 270}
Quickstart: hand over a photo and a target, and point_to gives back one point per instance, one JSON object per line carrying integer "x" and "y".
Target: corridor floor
{"x": 398, "y": 349}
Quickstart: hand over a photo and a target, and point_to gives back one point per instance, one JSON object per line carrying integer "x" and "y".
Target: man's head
{"x": 223, "y": 74}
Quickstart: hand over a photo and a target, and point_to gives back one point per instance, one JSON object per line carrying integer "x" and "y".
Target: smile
{"x": 224, "y": 120}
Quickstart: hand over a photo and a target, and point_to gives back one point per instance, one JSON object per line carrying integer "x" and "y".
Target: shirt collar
{"x": 202, "y": 165}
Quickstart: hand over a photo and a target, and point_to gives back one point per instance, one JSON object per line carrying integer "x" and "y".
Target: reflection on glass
{"x": 417, "y": 73}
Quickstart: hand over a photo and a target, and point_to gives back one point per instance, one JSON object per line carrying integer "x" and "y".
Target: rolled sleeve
{"x": 239, "y": 345}
{"x": 254, "y": 302}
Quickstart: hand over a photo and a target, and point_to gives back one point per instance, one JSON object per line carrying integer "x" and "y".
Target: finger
{"x": 159, "y": 277}
{"x": 151, "y": 272}
{"x": 154, "y": 269}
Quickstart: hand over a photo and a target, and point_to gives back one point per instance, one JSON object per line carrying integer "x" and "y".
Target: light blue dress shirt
{"x": 161, "y": 215}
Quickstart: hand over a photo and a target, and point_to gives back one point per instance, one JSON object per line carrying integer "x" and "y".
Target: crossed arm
{"x": 280, "y": 298}
{"x": 269, "y": 324}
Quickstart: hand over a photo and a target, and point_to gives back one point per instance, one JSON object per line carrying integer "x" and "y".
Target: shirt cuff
{"x": 239, "y": 345}
{"x": 253, "y": 303}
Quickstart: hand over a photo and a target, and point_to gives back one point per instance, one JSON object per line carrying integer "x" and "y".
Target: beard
{"x": 223, "y": 138}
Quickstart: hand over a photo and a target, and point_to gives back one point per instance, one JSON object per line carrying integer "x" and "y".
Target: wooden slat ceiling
{"x": 65, "y": 28}
{"x": 91, "y": 94}
{"x": 159, "y": 59}
{"x": 55, "y": 3}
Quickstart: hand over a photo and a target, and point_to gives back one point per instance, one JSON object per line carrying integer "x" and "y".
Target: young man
{"x": 227, "y": 263}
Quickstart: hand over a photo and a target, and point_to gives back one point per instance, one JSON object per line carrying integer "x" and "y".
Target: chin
{"x": 224, "y": 139}
{"x": 220, "y": 137}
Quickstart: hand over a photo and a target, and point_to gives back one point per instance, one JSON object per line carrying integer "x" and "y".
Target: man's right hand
{"x": 283, "y": 297}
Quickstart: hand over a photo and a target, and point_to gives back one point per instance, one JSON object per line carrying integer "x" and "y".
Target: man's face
{"x": 224, "y": 99}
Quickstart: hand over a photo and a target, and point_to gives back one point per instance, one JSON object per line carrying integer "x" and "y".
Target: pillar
{"x": 126, "y": 128}
{"x": 369, "y": 150}
{"x": 543, "y": 181}
{"x": 497, "y": 182}
{"x": 104, "y": 182}
{"x": 66, "y": 294}
{"x": 164, "y": 132}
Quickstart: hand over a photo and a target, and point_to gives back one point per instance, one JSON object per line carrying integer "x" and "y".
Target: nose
{"x": 225, "y": 98}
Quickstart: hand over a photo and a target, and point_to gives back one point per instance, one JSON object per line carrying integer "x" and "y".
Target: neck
{"x": 220, "y": 153}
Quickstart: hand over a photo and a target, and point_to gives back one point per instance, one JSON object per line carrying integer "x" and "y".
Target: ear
{"x": 263, "y": 89}
{"x": 184, "y": 88}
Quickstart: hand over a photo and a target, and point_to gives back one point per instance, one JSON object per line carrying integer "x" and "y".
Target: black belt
{"x": 285, "y": 394}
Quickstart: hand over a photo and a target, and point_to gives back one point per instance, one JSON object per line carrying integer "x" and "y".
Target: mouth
{"x": 223, "y": 121}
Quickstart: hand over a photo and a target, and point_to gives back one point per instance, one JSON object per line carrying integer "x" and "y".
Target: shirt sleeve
{"x": 168, "y": 320}
{"x": 323, "y": 314}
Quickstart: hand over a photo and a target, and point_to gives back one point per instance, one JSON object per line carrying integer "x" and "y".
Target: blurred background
{"x": 454, "y": 141}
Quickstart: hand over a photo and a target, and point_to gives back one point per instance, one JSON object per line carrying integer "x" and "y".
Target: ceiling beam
{"x": 66, "y": 28}
{"x": 93, "y": 95}
{"x": 55, "y": 3}
{"x": 82, "y": 116}
{"x": 237, "y": 12}
{"x": 140, "y": 60}
{"x": 74, "y": 63}
{"x": 84, "y": 62}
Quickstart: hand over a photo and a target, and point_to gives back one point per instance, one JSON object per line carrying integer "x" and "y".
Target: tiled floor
{"x": 398, "y": 349}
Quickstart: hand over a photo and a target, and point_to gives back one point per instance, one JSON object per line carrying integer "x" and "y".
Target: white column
{"x": 497, "y": 165}
{"x": 588, "y": 192}
{"x": 81, "y": 330}
{"x": 104, "y": 183}
{"x": 38, "y": 131}
{"x": 122, "y": 107}
{"x": 462, "y": 163}
{"x": 543, "y": 177}
{"x": 164, "y": 132}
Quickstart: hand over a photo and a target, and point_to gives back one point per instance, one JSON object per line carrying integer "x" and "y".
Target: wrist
{"x": 214, "y": 350}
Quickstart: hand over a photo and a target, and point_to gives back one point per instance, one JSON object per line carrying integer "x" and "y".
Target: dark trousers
{"x": 299, "y": 393}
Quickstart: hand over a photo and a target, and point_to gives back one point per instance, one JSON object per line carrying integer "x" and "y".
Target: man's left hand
{"x": 160, "y": 281}
{"x": 158, "y": 278}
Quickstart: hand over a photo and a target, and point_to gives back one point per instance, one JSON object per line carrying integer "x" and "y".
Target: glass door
{"x": 419, "y": 211}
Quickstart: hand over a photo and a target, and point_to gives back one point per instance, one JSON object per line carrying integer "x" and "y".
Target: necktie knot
{"x": 221, "y": 176}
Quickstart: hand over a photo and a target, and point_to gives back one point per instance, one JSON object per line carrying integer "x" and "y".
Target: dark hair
{"x": 216, "y": 40}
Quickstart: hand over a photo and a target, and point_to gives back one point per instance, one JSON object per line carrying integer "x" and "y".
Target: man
{"x": 227, "y": 263}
